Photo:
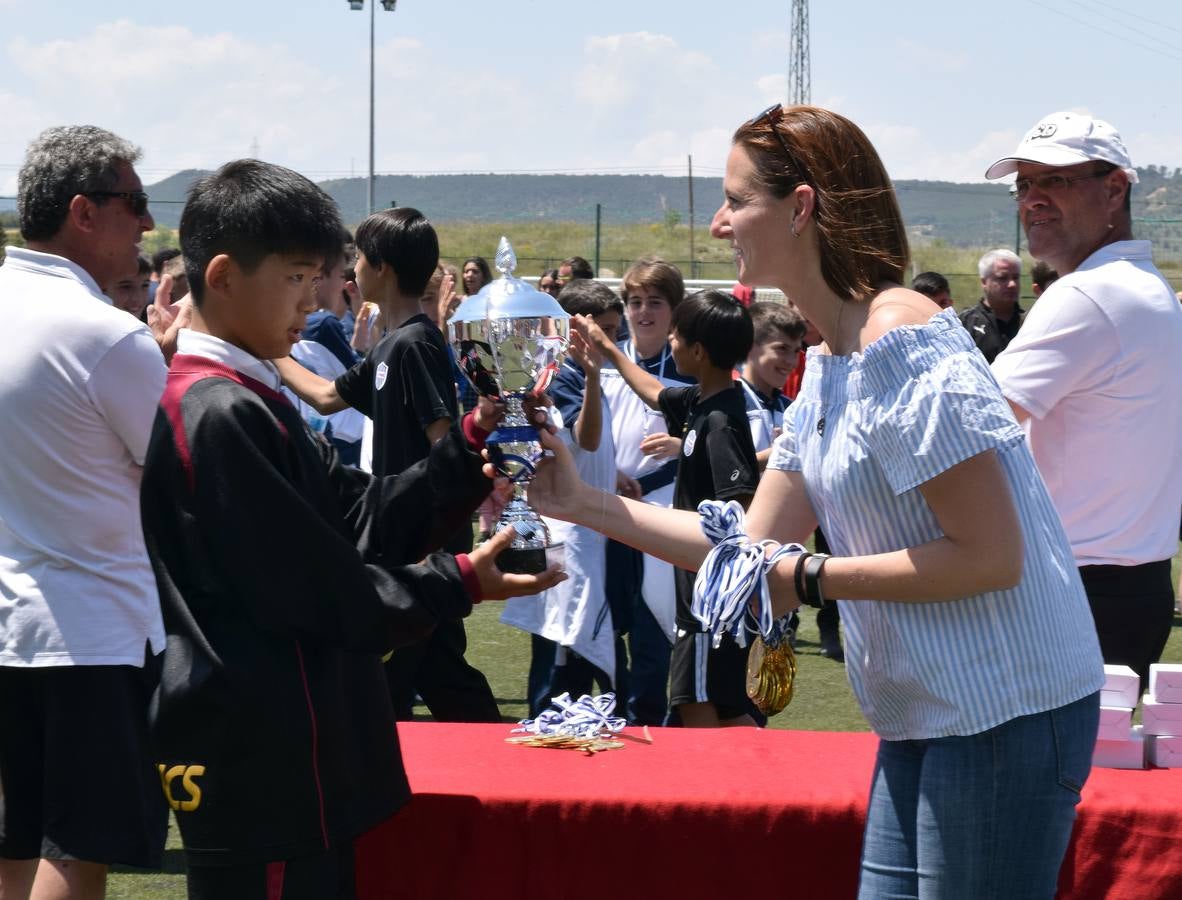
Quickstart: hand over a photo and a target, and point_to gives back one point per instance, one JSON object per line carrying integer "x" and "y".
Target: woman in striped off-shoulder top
{"x": 970, "y": 645}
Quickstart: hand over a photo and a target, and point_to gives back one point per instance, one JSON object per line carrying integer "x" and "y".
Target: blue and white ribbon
{"x": 586, "y": 717}
{"x": 730, "y": 593}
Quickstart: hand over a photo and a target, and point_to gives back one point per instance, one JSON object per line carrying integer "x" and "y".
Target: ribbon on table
{"x": 586, "y": 717}
{"x": 730, "y": 593}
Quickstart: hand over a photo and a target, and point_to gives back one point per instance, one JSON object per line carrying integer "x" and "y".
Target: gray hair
{"x": 985, "y": 264}
{"x": 61, "y": 163}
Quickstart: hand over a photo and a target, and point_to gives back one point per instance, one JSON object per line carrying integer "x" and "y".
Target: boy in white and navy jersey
{"x": 639, "y": 586}
{"x": 778, "y": 332}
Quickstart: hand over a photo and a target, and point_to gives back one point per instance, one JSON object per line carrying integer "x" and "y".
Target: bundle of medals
{"x": 586, "y": 724}
{"x": 731, "y": 597}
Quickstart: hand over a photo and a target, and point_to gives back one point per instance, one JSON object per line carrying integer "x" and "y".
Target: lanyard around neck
{"x": 630, "y": 349}
{"x": 768, "y": 416}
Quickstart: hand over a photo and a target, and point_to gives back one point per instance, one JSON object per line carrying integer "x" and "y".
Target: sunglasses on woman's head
{"x": 773, "y": 114}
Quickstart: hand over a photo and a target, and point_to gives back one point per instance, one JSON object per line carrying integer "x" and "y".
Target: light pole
{"x": 388, "y": 6}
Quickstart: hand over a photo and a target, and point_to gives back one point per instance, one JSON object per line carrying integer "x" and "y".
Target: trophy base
{"x": 525, "y": 561}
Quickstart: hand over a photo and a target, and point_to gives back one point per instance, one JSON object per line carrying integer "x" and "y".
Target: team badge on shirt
{"x": 379, "y": 378}
{"x": 687, "y": 446}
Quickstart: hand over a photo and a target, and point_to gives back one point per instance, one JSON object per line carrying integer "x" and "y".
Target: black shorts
{"x": 700, "y": 673}
{"x": 1133, "y": 607}
{"x": 76, "y": 776}
{"x": 322, "y": 876}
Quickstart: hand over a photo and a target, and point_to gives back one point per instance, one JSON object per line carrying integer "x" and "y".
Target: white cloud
{"x": 772, "y": 88}
{"x": 909, "y": 153}
{"x": 774, "y": 40}
{"x": 1155, "y": 148}
{"x": 640, "y": 74}
{"x": 933, "y": 59}
{"x": 189, "y": 99}
{"x": 629, "y": 101}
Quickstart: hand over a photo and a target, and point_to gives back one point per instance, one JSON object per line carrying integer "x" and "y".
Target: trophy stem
{"x": 515, "y": 450}
{"x": 515, "y": 411}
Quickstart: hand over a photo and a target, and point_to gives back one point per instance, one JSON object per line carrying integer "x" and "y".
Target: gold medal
{"x": 771, "y": 672}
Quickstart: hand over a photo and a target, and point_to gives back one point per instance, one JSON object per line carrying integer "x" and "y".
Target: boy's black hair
{"x": 717, "y": 321}
{"x": 331, "y": 261}
{"x": 249, "y": 210}
{"x": 1042, "y": 274}
{"x": 404, "y": 240}
{"x": 770, "y": 320}
{"x": 579, "y": 267}
{"x": 584, "y": 297}
{"x": 143, "y": 265}
{"x": 160, "y": 257}
{"x": 929, "y": 283}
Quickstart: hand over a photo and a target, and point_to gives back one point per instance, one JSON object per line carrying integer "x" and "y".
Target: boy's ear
{"x": 220, "y": 274}
{"x": 379, "y": 266}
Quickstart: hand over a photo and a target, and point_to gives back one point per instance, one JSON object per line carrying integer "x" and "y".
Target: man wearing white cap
{"x": 1094, "y": 376}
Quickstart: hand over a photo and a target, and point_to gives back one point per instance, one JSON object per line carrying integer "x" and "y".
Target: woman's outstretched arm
{"x": 779, "y": 509}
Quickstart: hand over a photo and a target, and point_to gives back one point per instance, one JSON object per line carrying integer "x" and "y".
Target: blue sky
{"x": 577, "y": 85}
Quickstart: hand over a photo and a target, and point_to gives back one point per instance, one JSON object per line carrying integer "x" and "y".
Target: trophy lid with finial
{"x": 508, "y": 297}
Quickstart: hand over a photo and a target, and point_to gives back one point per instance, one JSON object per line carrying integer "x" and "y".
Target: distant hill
{"x": 958, "y": 214}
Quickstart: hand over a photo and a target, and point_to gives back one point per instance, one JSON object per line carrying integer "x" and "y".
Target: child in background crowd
{"x": 130, "y": 294}
{"x": 778, "y": 335}
{"x": 776, "y": 356}
{"x": 640, "y": 587}
{"x": 326, "y": 324}
{"x": 712, "y": 332}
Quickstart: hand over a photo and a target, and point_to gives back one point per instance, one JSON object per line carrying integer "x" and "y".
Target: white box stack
{"x": 1119, "y": 745}
{"x": 1161, "y": 715}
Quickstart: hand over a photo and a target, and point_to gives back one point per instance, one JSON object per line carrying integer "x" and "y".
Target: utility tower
{"x": 800, "y": 78}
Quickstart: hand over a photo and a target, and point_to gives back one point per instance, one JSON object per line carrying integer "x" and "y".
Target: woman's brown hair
{"x": 860, "y": 230}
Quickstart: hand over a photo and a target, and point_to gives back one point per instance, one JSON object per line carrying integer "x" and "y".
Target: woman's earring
{"x": 792, "y": 228}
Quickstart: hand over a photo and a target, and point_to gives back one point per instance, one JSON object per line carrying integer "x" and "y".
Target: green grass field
{"x": 822, "y": 702}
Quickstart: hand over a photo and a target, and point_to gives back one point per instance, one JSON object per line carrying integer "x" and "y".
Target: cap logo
{"x": 1045, "y": 130}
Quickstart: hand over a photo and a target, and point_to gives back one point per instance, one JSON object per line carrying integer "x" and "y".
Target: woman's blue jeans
{"x": 983, "y": 816}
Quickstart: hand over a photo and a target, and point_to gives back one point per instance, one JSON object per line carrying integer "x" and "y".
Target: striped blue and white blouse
{"x": 866, "y": 431}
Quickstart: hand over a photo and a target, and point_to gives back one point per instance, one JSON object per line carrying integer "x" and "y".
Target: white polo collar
{"x": 38, "y": 263}
{"x": 198, "y": 343}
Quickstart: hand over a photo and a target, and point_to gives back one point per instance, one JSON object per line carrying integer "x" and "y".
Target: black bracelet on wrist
{"x": 812, "y": 579}
{"x": 798, "y": 577}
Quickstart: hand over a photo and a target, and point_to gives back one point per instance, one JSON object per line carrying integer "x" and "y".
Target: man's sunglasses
{"x": 773, "y": 115}
{"x": 137, "y": 200}
{"x": 1050, "y": 183}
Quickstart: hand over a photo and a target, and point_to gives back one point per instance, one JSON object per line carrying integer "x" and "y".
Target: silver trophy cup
{"x": 510, "y": 339}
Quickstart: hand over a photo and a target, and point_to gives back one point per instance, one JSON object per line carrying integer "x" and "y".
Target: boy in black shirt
{"x": 405, "y": 385}
{"x": 284, "y": 575}
{"x": 711, "y": 333}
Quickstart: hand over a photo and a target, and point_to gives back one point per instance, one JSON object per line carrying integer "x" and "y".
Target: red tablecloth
{"x": 493, "y": 820}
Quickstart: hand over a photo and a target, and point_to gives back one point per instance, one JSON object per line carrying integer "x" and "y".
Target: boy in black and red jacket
{"x": 284, "y": 575}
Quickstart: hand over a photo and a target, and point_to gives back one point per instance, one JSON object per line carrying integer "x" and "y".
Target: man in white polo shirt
{"x": 80, "y": 622}
{"x": 1095, "y": 373}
